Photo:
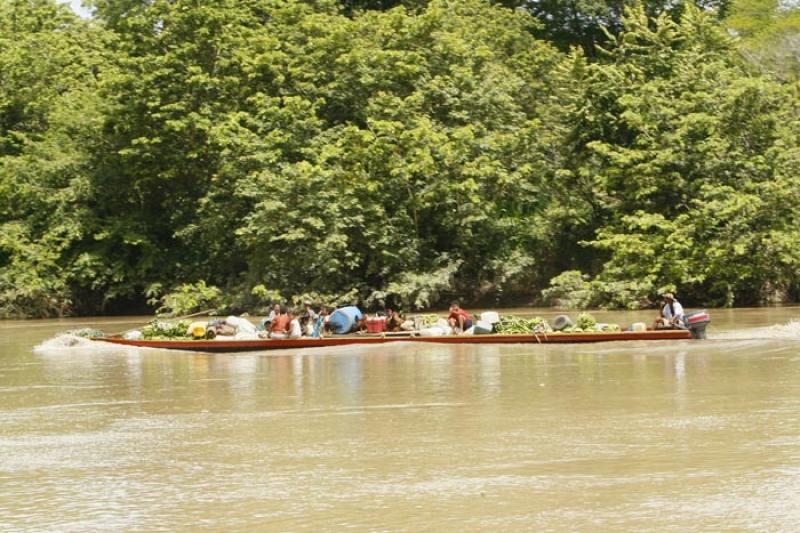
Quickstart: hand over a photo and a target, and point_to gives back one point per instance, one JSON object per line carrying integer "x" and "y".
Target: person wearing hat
{"x": 671, "y": 313}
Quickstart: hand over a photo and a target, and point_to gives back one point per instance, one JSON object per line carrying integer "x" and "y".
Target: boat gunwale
{"x": 345, "y": 340}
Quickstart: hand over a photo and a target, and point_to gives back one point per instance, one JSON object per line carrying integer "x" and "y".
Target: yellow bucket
{"x": 197, "y": 329}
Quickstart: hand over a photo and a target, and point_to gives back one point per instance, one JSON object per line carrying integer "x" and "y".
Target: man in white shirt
{"x": 671, "y": 313}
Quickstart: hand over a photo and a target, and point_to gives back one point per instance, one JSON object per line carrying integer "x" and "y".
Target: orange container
{"x": 376, "y": 325}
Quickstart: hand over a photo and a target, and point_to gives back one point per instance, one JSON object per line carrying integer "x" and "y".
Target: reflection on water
{"x": 665, "y": 436}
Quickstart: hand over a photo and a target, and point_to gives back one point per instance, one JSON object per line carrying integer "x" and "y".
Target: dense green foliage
{"x": 584, "y": 22}
{"x": 229, "y": 152}
{"x": 770, "y": 34}
{"x": 694, "y": 164}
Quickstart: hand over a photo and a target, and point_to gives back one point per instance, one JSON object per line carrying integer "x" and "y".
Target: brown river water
{"x": 687, "y": 435}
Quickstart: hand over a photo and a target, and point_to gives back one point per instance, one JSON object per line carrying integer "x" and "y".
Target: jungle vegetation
{"x": 590, "y": 153}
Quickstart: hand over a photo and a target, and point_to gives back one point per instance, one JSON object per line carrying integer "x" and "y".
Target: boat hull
{"x": 230, "y": 346}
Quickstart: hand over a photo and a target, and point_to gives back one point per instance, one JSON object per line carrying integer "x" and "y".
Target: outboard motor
{"x": 697, "y": 322}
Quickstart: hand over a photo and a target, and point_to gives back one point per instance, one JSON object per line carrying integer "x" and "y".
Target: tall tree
{"x": 584, "y": 22}
{"x": 769, "y": 32}
{"x": 49, "y": 116}
{"x": 689, "y": 155}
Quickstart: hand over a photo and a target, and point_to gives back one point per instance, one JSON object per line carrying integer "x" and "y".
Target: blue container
{"x": 344, "y": 319}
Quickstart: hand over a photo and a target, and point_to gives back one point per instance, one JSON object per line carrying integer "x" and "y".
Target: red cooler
{"x": 376, "y": 325}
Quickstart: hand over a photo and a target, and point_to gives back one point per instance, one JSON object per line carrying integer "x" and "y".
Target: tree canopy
{"x": 770, "y": 35}
{"x": 405, "y": 151}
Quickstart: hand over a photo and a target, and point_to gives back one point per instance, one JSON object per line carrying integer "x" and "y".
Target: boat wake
{"x": 789, "y": 331}
{"x": 67, "y": 342}
{"x": 63, "y": 342}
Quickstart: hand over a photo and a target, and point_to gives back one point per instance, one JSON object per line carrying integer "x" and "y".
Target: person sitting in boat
{"x": 306, "y": 326}
{"x": 394, "y": 320}
{"x": 265, "y": 323}
{"x": 318, "y": 325}
{"x": 309, "y": 313}
{"x": 459, "y": 319}
{"x": 295, "y": 331}
{"x": 279, "y": 327}
{"x": 671, "y": 314}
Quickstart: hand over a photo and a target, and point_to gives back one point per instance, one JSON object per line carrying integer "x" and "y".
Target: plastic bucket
{"x": 376, "y": 325}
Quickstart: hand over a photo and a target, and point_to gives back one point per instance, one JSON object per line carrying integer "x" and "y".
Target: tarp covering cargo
{"x": 344, "y": 319}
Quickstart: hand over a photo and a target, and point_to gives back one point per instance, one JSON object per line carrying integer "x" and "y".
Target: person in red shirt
{"x": 279, "y": 328}
{"x": 459, "y": 319}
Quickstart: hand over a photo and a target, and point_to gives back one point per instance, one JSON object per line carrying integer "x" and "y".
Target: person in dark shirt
{"x": 394, "y": 320}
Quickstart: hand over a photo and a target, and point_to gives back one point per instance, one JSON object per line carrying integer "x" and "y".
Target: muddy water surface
{"x": 660, "y": 436}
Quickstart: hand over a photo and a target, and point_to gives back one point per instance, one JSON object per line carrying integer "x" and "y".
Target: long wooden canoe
{"x": 222, "y": 346}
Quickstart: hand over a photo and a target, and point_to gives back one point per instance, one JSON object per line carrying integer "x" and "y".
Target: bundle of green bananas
{"x": 157, "y": 329}
{"x": 514, "y": 325}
